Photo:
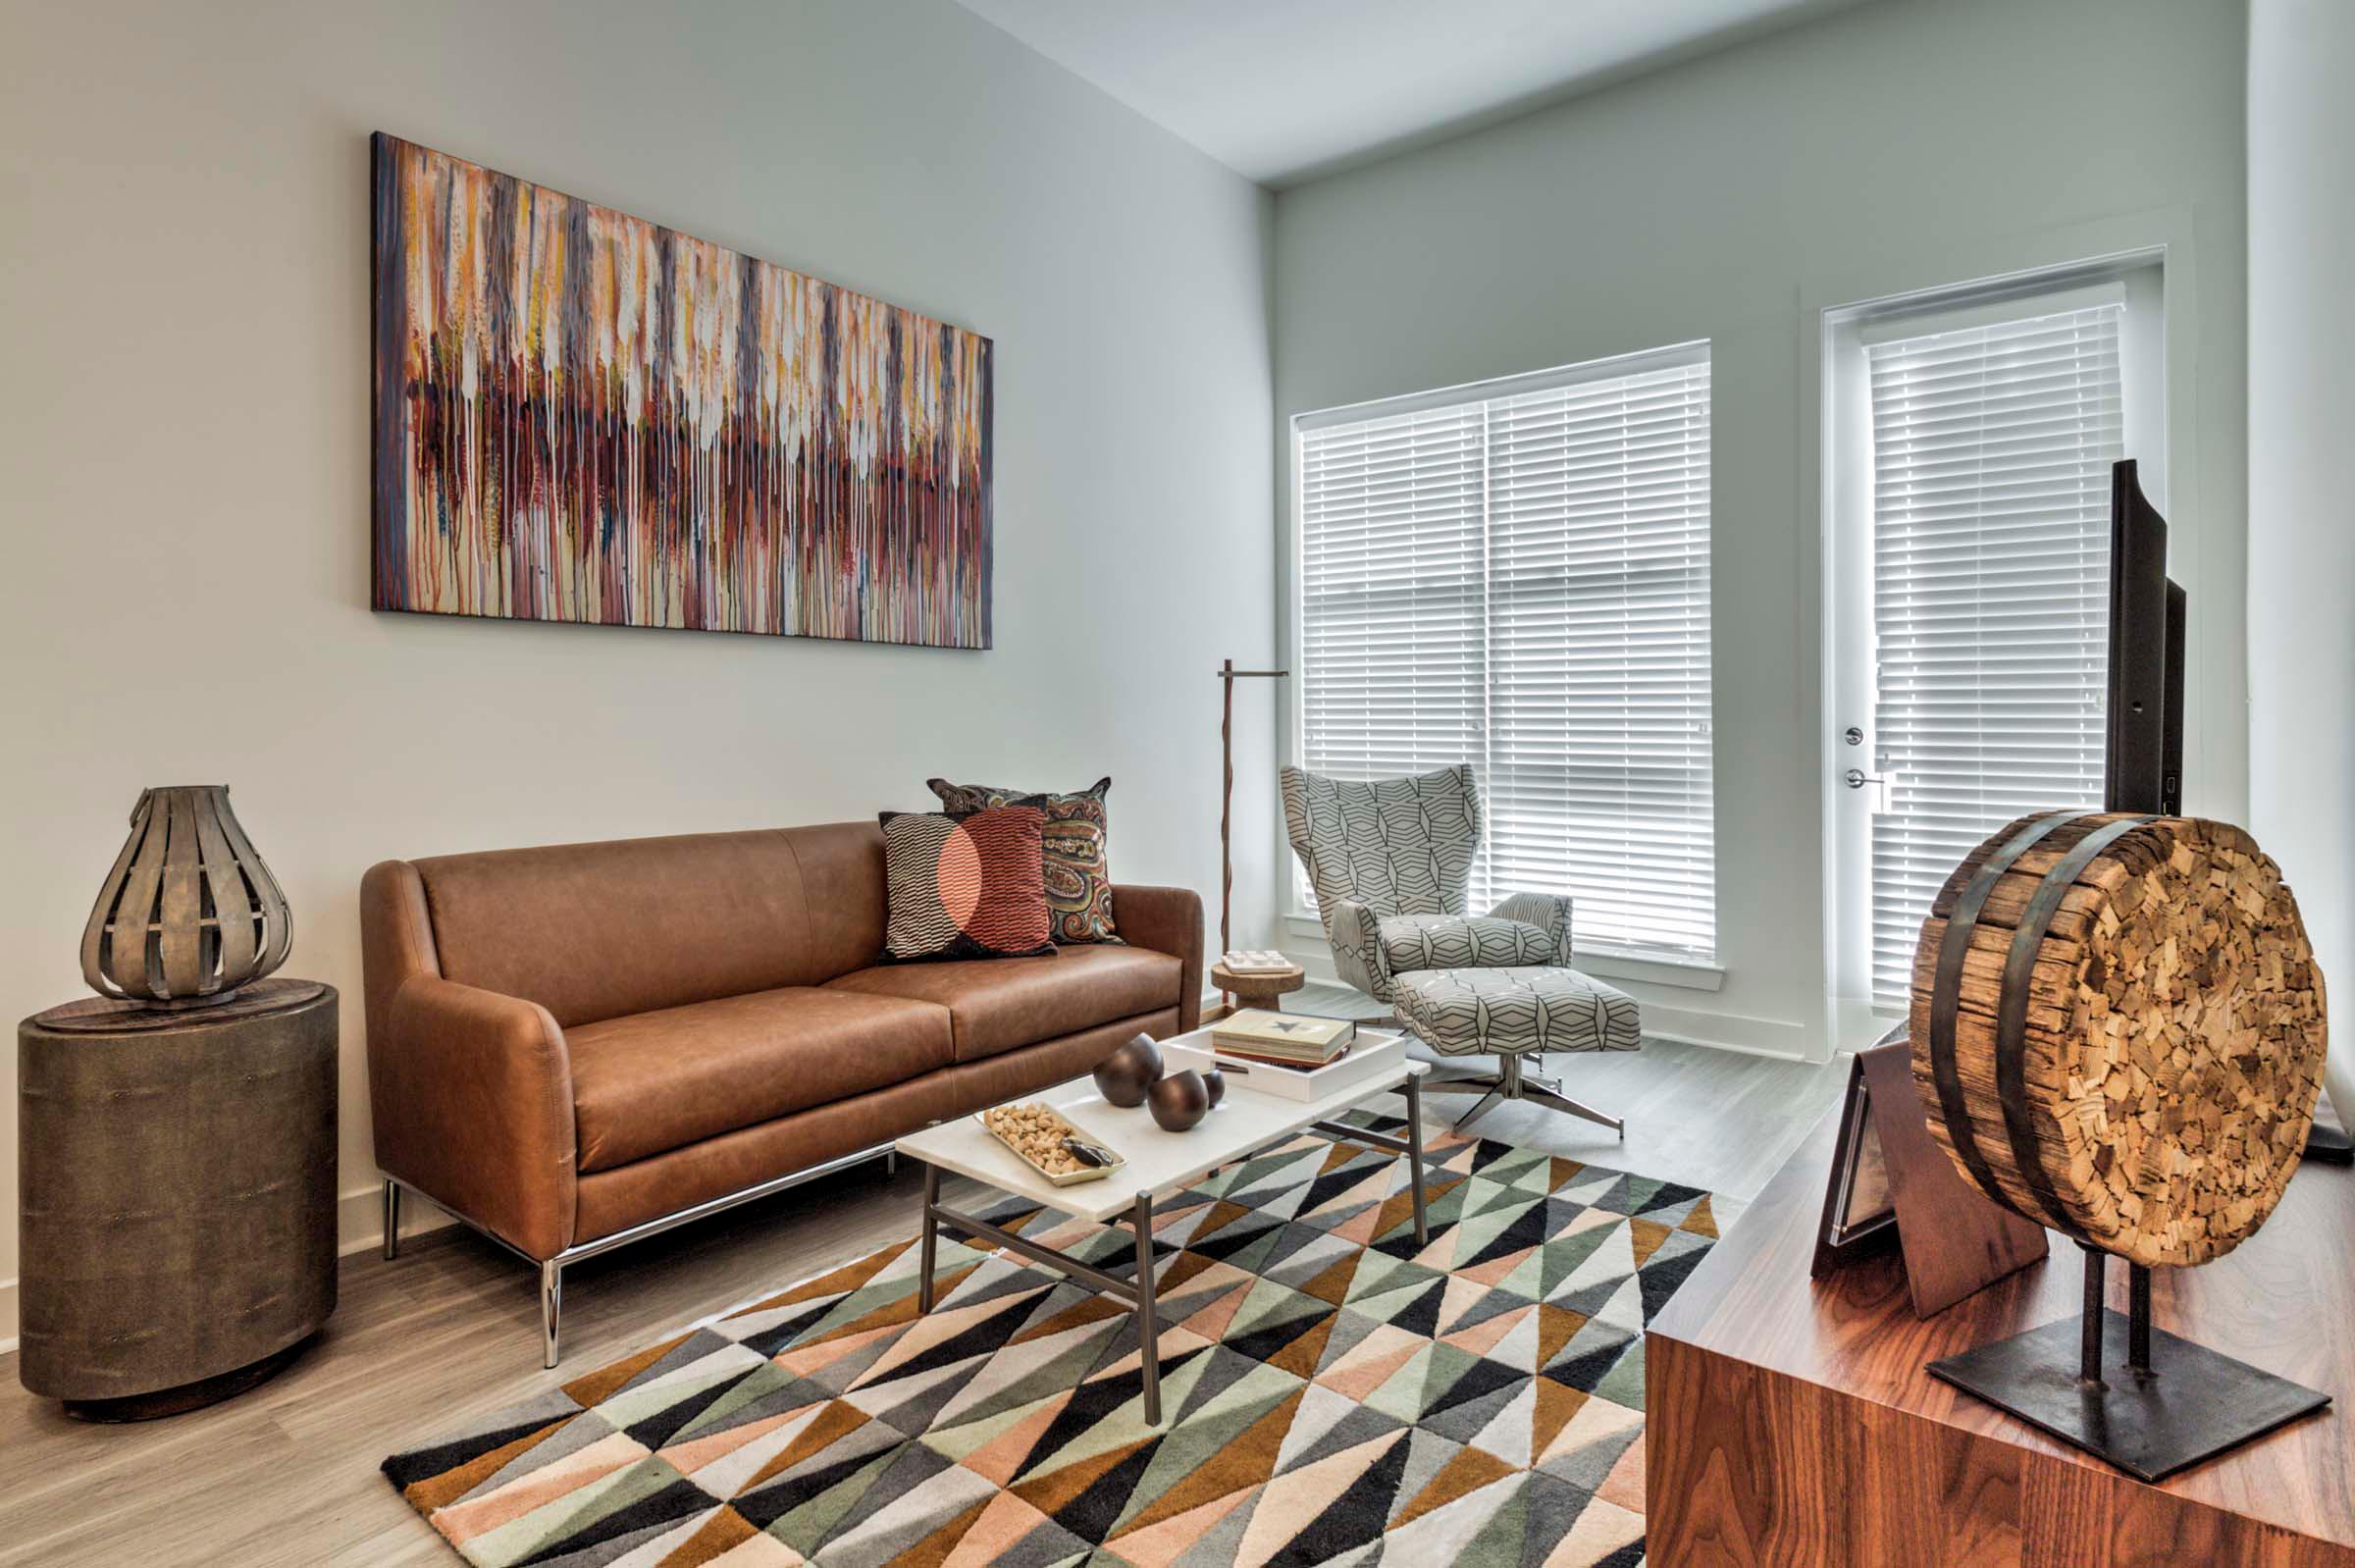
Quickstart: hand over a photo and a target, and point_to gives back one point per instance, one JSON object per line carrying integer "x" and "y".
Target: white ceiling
{"x": 1282, "y": 91}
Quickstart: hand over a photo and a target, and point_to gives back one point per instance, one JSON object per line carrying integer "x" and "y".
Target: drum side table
{"x": 178, "y": 1211}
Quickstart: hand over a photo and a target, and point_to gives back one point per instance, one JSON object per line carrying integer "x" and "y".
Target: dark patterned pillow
{"x": 1076, "y": 864}
{"x": 965, "y": 885}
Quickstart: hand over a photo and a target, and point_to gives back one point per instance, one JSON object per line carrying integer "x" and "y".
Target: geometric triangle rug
{"x": 1335, "y": 1392}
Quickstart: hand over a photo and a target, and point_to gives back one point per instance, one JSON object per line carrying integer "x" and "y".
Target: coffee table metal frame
{"x": 1140, "y": 1295}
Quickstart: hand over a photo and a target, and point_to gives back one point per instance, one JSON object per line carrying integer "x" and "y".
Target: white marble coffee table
{"x": 1159, "y": 1165}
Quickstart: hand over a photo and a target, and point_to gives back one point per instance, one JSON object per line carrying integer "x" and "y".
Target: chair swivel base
{"x": 1512, "y": 1082}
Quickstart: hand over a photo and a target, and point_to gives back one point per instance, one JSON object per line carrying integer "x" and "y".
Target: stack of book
{"x": 1283, "y": 1039}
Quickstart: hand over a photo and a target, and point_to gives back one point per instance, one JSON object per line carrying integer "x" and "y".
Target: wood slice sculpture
{"x": 2118, "y": 1031}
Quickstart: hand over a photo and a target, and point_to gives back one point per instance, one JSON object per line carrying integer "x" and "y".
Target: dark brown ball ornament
{"x": 1216, "y": 1083}
{"x": 1129, "y": 1071}
{"x": 1179, "y": 1101}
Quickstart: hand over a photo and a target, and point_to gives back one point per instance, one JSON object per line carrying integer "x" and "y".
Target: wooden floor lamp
{"x": 1228, "y": 676}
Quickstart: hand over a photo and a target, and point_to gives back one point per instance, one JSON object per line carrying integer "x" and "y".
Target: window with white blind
{"x": 1517, "y": 575}
{"x": 1984, "y": 495}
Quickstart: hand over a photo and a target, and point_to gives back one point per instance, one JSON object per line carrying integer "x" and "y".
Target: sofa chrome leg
{"x": 891, "y": 1163}
{"x": 551, "y": 1304}
{"x": 392, "y": 1220}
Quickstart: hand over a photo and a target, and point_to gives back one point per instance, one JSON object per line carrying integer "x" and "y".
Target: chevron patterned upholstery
{"x": 1398, "y": 846}
{"x": 1461, "y": 941}
{"x": 1391, "y": 861}
{"x": 1510, "y": 1011}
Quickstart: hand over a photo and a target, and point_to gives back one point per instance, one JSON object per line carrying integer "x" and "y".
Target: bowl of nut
{"x": 1050, "y": 1143}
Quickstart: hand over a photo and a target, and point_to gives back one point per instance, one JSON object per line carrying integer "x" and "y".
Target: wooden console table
{"x": 1790, "y": 1420}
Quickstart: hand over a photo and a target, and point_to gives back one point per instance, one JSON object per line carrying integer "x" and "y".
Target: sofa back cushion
{"x": 594, "y": 931}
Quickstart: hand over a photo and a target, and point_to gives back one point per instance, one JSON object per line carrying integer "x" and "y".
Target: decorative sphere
{"x": 1179, "y": 1101}
{"x": 1129, "y": 1071}
{"x": 1216, "y": 1083}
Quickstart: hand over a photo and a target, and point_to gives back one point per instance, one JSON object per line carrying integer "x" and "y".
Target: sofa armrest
{"x": 1166, "y": 920}
{"x": 470, "y": 1091}
{"x": 472, "y": 1095}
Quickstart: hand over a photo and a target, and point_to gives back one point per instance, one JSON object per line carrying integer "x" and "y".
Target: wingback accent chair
{"x": 1390, "y": 862}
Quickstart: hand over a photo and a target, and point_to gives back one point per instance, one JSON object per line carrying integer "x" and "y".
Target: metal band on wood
{"x": 2012, "y": 1014}
{"x": 1946, "y": 996}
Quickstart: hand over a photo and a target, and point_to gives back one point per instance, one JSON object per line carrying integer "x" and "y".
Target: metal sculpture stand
{"x": 2141, "y": 1398}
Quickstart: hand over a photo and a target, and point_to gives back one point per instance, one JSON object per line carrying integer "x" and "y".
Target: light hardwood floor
{"x": 286, "y": 1474}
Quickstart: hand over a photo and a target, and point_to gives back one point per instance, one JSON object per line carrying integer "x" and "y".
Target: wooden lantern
{"x": 189, "y": 913}
{"x": 2119, "y": 1030}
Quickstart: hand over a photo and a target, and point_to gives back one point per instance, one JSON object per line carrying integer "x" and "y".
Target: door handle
{"x": 1856, "y": 778}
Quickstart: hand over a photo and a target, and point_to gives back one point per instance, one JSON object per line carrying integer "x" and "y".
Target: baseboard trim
{"x": 1727, "y": 1031}
{"x": 1719, "y": 1043}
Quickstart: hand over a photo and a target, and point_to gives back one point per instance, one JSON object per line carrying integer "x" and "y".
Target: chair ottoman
{"x": 1513, "y": 1012}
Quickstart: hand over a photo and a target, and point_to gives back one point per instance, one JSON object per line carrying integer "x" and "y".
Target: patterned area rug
{"x": 1335, "y": 1393}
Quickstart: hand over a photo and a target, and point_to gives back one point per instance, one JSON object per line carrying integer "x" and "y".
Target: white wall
{"x": 183, "y": 430}
{"x": 1901, "y": 145}
{"x": 2301, "y": 494}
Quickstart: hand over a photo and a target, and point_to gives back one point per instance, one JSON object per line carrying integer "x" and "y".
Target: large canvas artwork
{"x": 582, "y": 416}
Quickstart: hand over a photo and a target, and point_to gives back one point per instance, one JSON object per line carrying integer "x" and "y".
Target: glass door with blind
{"x": 1516, "y": 575}
{"x": 1968, "y": 483}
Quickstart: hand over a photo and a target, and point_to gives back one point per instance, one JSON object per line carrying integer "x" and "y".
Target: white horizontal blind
{"x": 1393, "y": 584}
{"x": 1992, "y": 449}
{"x": 1599, "y": 771}
{"x": 1521, "y": 580}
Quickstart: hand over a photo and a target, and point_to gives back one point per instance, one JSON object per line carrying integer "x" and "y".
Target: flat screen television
{"x": 2144, "y": 757}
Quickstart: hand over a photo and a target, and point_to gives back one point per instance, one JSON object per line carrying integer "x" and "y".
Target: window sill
{"x": 1690, "y": 975}
{"x": 1683, "y": 974}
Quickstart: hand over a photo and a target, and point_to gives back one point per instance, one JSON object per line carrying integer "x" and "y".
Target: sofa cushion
{"x": 657, "y": 1080}
{"x": 998, "y": 1004}
{"x": 1462, "y": 941}
{"x": 594, "y": 931}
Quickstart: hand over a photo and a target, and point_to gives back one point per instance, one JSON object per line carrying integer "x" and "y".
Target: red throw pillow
{"x": 965, "y": 885}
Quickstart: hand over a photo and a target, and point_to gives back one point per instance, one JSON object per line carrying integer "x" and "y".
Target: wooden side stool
{"x": 1262, "y": 988}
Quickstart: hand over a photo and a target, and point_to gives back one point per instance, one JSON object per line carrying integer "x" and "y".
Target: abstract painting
{"x": 583, "y": 416}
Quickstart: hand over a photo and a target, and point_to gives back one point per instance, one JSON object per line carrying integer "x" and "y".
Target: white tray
{"x": 1086, "y": 1172}
{"x": 1373, "y": 1055}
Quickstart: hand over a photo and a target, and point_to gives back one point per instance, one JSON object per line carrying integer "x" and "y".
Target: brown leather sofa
{"x": 573, "y": 1047}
